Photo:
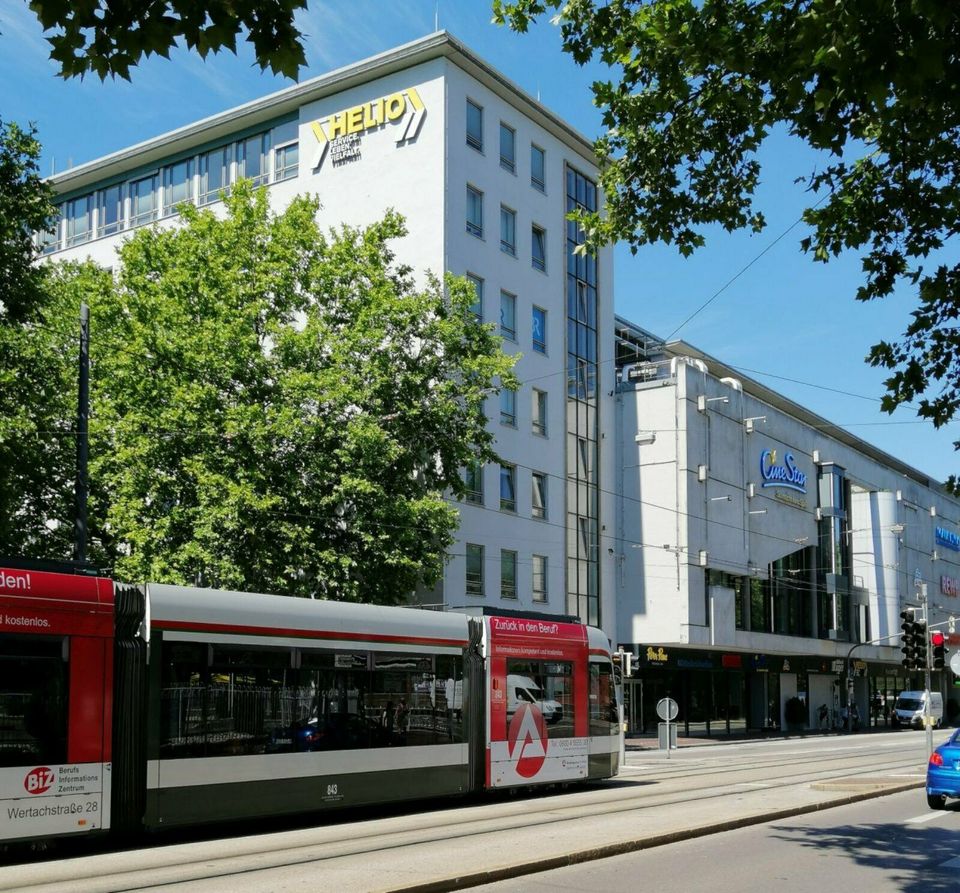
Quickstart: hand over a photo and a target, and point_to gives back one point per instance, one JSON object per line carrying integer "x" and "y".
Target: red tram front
{"x": 56, "y": 683}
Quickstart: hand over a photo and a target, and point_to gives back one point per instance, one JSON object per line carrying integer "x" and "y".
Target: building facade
{"x": 765, "y": 552}
{"x": 484, "y": 176}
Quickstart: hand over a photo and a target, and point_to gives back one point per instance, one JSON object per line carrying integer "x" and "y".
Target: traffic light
{"x": 920, "y": 642}
{"x": 623, "y": 663}
{"x": 906, "y": 641}
{"x": 913, "y": 642}
{"x": 939, "y": 651}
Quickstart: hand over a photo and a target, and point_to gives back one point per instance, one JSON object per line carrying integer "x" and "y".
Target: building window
{"x": 508, "y": 407}
{"x": 473, "y": 480}
{"x": 538, "y": 503}
{"x": 537, "y": 165}
{"x": 78, "y": 214}
{"x": 508, "y": 148}
{"x": 48, "y": 240}
{"x": 508, "y": 315}
{"x": 252, "y": 162}
{"x": 539, "y": 329}
{"x": 508, "y": 488}
{"x": 476, "y": 308}
{"x": 474, "y": 577}
{"x": 539, "y": 578}
{"x": 508, "y": 231}
{"x": 110, "y": 210}
{"x": 177, "y": 185}
{"x": 538, "y": 412}
{"x": 474, "y": 126}
{"x": 286, "y": 162}
{"x": 215, "y": 174}
{"x": 538, "y": 248}
{"x": 508, "y": 573}
{"x": 143, "y": 200}
{"x": 475, "y": 212}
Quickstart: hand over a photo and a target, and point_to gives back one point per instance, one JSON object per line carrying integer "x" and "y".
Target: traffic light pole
{"x": 928, "y": 725}
{"x": 849, "y": 665}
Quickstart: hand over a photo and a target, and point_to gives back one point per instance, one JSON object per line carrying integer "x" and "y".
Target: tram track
{"x": 165, "y": 866}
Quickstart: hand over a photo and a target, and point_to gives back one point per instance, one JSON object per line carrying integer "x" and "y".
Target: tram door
{"x": 55, "y": 681}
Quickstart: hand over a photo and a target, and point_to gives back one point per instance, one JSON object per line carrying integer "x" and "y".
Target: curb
{"x": 620, "y": 848}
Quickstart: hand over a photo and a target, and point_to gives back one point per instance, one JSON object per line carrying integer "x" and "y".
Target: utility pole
{"x": 83, "y": 415}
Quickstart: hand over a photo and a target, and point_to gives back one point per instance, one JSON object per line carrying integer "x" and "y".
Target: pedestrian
{"x": 823, "y": 715}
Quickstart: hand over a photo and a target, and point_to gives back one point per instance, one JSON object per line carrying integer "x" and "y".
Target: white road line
{"x": 751, "y": 784}
{"x": 920, "y": 819}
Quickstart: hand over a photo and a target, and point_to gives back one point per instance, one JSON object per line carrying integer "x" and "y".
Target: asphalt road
{"x": 893, "y": 844}
{"x": 659, "y": 799}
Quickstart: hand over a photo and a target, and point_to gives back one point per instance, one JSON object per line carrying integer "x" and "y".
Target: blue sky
{"x": 785, "y": 321}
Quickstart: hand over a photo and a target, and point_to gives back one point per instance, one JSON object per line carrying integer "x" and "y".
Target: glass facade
{"x": 582, "y": 496}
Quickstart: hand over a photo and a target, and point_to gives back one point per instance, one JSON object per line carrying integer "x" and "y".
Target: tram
{"x": 128, "y": 707}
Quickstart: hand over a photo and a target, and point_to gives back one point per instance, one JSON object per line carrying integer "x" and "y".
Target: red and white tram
{"x": 126, "y": 707}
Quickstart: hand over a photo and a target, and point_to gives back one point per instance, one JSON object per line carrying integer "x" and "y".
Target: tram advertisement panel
{"x": 538, "y": 719}
{"x": 38, "y": 801}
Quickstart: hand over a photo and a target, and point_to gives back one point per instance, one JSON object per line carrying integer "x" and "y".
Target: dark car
{"x": 943, "y": 772}
{"x": 335, "y": 731}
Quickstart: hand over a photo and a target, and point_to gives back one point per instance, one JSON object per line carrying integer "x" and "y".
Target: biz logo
{"x": 39, "y": 780}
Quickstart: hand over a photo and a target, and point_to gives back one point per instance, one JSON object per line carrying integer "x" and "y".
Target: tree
{"x": 38, "y": 363}
{"x": 109, "y": 37}
{"x": 697, "y": 85}
{"x": 280, "y": 410}
{"x": 26, "y": 207}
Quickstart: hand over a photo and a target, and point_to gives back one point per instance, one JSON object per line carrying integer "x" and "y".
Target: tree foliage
{"x": 37, "y": 366}
{"x": 109, "y": 37}
{"x": 281, "y": 410}
{"x": 697, "y": 85}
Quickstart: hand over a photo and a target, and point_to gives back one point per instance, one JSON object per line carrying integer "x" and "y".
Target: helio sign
{"x": 341, "y": 132}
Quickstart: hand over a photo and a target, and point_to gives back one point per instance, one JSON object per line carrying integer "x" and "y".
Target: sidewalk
{"x": 646, "y": 741}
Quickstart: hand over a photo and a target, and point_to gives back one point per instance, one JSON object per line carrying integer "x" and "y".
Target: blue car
{"x": 943, "y": 772}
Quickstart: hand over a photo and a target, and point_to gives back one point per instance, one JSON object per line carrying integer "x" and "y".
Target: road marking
{"x": 751, "y": 784}
{"x": 953, "y": 863}
{"x": 927, "y": 817}
{"x": 908, "y": 775}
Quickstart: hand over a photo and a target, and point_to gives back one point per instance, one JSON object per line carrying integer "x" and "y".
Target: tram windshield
{"x": 33, "y": 700}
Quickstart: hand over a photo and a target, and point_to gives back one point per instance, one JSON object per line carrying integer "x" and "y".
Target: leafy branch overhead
{"x": 109, "y": 37}
{"x": 696, "y": 86}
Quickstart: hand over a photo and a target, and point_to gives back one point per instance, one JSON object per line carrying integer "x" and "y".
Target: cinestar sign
{"x": 785, "y": 475}
{"x": 343, "y": 130}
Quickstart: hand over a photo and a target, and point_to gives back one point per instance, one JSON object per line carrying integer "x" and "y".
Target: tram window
{"x": 33, "y": 700}
{"x": 549, "y": 685}
{"x": 223, "y": 701}
{"x": 604, "y": 714}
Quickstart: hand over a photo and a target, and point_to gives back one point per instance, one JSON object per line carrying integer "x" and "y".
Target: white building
{"x": 484, "y": 175}
{"x": 760, "y": 544}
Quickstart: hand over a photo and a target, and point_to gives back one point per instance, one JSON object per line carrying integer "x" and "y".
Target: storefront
{"x": 725, "y": 693}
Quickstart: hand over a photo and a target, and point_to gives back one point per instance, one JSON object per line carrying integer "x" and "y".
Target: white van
{"x": 909, "y": 709}
{"x": 523, "y": 690}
